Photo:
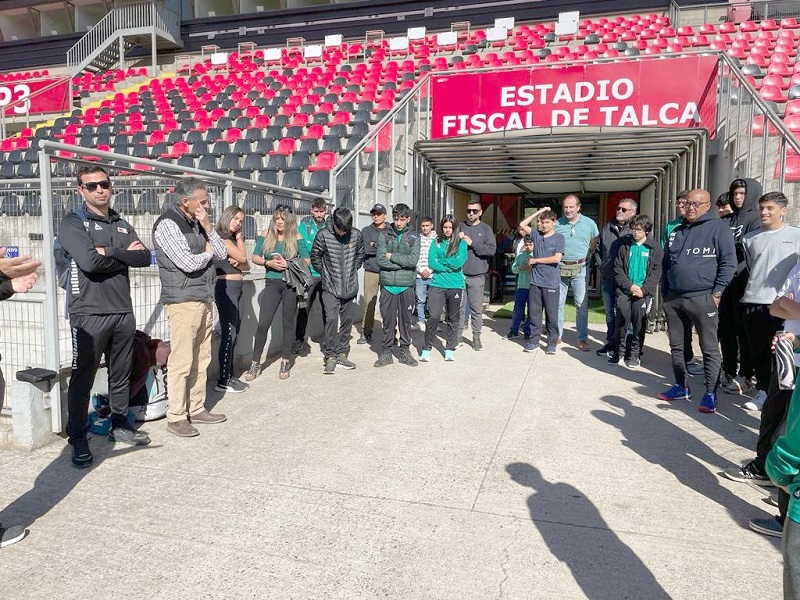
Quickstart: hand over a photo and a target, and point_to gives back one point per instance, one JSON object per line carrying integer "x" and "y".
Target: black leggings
{"x": 438, "y": 300}
{"x": 275, "y": 292}
{"x": 228, "y": 296}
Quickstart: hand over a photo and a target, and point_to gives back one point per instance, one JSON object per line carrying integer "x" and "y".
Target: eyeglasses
{"x": 623, "y": 209}
{"x": 695, "y": 205}
{"x": 473, "y": 211}
{"x": 642, "y": 229}
{"x": 92, "y": 185}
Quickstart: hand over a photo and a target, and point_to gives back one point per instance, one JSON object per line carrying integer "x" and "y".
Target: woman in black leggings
{"x": 228, "y": 295}
{"x": 274, "y": 247}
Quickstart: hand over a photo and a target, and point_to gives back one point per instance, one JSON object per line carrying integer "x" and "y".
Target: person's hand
{"x": 636, "y": 291}
{"x": 531, "y": 262}
{"x": 19, "y": 266}
{"x": 278, "y": 263}
{"x": 426, "y": 273}
{"x": 209, "y": 249}
{"x": 100, "y": 250}
{"x": 465, "y": 237}
{"x": 388, "y": 256}
{"x": 789, "y": 296}
{"x": 716, "y": 300}
{"x": 136, "y": 245}
{"x": 234, "y": 262}
{"x": 786, "y": 335}
{"x": 20, "y": 285}
{"x": 201, "y": 214}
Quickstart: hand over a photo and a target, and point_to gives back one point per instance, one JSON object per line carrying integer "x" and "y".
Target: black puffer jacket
{"x": 338, "y": 260}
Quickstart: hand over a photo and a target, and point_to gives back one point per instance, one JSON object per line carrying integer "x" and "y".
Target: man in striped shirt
{"x": 427, "y": 235}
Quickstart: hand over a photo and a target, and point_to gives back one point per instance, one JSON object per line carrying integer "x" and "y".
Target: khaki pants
{"x": 371, "y": 285}
{"x": 190, "y": 343}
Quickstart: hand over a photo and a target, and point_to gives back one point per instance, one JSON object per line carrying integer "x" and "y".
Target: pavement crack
{"x": 507, "y": 559}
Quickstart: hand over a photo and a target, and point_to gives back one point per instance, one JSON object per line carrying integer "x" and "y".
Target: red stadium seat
{"x": 791, "y": 172}
{"x": 772, "y": 93}
{"x": 286, "y": 146}
{"x": 325, "y": 162}
{"x": 790, "y": 23}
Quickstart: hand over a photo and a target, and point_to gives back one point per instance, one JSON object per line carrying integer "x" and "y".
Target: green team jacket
{"x": 401, "y": 269}
{"x": 783, "y": 461}
{"x": 447, "y": 273}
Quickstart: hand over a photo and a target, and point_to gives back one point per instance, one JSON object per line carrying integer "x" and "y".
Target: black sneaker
{"x": 330, "y": 366}
{"x": 343, "y": 362}
{"x": 748, "y": 474}
{"x": 526, "y": 336}
{"x": 81, "y": 455}
{"x": 366, "y": 338}
{"x": 614, "y": 360}
{"x": 511, "y": 335}
{"x": 405, "y": 358}
{"x": 11, "y": 535}
{"x": 771, "y": 526}
{"x": 550, "y": 350}
{"x": 476, "y": 343}
{"x": 123, "y": 434}
{"x": 384, "y": 359}
{"x": 297, "y": 347}
{"x": 605, "y": 351}
{"x": 234, "y": 386}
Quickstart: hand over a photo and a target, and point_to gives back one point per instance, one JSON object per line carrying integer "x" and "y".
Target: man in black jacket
{"x": 371, "y": 234}
{"x": 607, "y": 252}
{"x": 637, "y": 271}
{"x": 699, "y": 262}
{"x": 481, "y": 247}
{"x": 737, "y": 368}
{"x": 102, "y": 247}
{"x": 337, "y": 254}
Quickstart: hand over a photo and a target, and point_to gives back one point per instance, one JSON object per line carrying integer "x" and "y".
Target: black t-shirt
{"x": 224, "y": 267}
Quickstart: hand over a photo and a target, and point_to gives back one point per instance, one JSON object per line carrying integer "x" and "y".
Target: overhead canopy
{"x": 560, "y": 160}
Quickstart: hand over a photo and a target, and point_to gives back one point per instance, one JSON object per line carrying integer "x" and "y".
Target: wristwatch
{"x": 716, "y": 294}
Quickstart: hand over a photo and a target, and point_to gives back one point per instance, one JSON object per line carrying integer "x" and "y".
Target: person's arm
{"x": 6, "y": 288}
{"x": 135, "y": 255}
{"x": 547, "y": 260}
{"x": 785, "y": 307}
{"x": 652, "y": 279}
{"x": 360, "y": 257}
{"x": 217, "y": 245}
{"x": 621, "y": 279}
{"x": 726, "y": 261}
{"x": 434, "y": 259}
{"x": 76, "y": 242}
{"x": 525, "y": 224}
{"x": 386, "y": 264}
{"x": 172, "y": 241}
{"x": 460, "y": 257}
{"x": 410, "y": 260}
{"x": 317, "y": 252}
{"x": 486, "y": 247}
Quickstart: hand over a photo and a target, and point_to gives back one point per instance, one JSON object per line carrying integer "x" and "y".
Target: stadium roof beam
{"x": 632, "y": 157}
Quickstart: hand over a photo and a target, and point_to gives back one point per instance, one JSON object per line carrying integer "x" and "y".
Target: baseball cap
{"x": 379, "y": 209}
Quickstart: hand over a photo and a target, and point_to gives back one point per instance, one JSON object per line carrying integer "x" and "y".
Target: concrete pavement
{"x": 501, "y": 475}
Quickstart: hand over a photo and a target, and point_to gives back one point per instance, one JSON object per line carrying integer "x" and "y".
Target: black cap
{"x": 379, "y": 209}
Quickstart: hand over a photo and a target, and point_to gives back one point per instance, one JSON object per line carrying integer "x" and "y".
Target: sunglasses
{"x": 92, "y": 185}
{"x": 473, "y": 211}
{"x": 623, "y": 209}
{"x": 284, "y": 208}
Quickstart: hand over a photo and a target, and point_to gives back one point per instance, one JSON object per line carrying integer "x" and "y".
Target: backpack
{"x": 62, "y": 258}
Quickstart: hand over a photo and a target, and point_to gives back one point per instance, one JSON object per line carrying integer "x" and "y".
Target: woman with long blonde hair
{"x": 276, "y": 245}
{"x": 228, "y": 295}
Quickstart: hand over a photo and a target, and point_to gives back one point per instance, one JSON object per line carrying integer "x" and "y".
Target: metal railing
{"x": 35, "y": 330}
{"x": 123, "y": 18}
{"x": 715, "y": 12}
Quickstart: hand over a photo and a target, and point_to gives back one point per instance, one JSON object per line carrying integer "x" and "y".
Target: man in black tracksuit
{"x": 337, "y": 254}
{"x": 102, "y": 247}
{"x": 699, "y": 262}
{"x": 737, "y": 367}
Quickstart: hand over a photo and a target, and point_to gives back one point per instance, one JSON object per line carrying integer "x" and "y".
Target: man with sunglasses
{"x": 699, "y": 263}
{"x": 102, "y": 247}
{"x": 607, "y": 254}
{"x": 481, "y": 247}
{"x": 371, "y": 233}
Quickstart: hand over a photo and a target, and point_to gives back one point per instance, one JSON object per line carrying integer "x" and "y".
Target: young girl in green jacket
{"x": 446, "y": 256}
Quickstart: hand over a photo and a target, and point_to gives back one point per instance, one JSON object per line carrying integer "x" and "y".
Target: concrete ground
{"x": 501, "y": 475}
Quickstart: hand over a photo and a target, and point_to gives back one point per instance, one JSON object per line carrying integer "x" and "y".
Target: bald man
{"x": 699, "y": 262}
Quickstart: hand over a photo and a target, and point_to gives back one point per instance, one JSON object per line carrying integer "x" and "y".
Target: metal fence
{"x": 715, "y": 12}
{"x": 35, "y": 329}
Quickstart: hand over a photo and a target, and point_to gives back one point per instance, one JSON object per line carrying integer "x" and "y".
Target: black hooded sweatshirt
{"x": 744, "y": 220}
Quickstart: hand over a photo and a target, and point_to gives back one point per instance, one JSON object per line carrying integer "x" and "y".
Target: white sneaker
{"x": 756, "y": 403}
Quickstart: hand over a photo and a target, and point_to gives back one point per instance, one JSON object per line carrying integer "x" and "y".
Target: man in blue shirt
{"x": 580, "y": 240}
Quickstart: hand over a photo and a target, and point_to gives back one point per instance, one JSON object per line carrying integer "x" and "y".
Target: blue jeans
{"x": 422, "y": 297}
{"x": 520, "y": 310}
{"x": 607, "y": 290}
{"x": 578, "y": 284}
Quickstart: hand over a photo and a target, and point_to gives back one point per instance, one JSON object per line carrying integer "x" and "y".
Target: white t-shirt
{"x": 770, "y": 256}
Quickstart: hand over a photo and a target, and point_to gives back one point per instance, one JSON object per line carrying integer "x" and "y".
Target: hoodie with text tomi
{"x": 699, "y": 258}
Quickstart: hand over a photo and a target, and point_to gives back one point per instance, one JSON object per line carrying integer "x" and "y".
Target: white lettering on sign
{"x": 20, "y": 92}
{"x": 581, "y": 91}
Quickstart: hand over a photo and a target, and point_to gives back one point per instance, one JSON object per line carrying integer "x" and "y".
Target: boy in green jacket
{"x": 398, "y": 254}
{"x": 522, "y": 270}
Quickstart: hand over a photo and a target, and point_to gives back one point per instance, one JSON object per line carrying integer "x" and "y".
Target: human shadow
{"x": 57, "y": 480}
{"x": 602, "y": 564}
{"x": 678, "y": 452}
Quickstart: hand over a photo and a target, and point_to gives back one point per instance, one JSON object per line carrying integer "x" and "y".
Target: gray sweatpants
{"x": 474, "y": 298}
{"x": 791, "y": 560}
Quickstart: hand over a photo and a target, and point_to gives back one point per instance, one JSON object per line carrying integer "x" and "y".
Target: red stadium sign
{"x": 35, "y": 96}
{"x": 676, "y": 92}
